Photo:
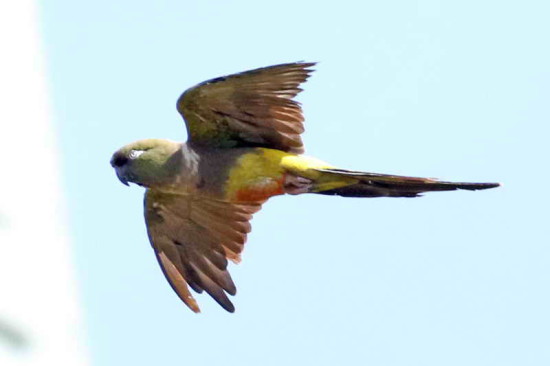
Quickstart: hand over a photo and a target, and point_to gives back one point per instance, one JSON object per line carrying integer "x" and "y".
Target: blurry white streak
{"x": 38, "y": 302}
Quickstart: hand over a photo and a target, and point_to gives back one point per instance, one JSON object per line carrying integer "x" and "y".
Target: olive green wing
{"x": 193, "y": 237}
{"x": 251, "y": 109}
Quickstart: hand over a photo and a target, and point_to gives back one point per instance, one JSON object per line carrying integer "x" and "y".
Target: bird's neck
{"x": 182, "y": 170}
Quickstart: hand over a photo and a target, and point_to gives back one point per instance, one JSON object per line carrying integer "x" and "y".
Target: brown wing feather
{"x": 193, "y": 237}
{"x": 252, "y": 108}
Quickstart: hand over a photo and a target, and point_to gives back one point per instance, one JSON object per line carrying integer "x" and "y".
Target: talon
{"x": 294, "y": 184}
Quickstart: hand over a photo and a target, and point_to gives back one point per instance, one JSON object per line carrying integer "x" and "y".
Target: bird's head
{"x": 146, "y": 162}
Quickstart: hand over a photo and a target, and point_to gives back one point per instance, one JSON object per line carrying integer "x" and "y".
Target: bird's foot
{"x": 294, "y": 184}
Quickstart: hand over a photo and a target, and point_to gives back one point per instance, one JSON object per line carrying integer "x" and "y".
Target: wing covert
{"x": 254, "y": 108}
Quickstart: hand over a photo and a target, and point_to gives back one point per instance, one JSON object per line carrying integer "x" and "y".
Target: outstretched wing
{"x": 193, "y": 237}
{"x": 253, "y": 108}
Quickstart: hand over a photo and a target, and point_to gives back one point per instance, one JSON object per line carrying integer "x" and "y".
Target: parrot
{"x": 244, "y": 146}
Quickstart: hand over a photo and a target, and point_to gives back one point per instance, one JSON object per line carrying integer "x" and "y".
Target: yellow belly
{"x": 260, "y": 174}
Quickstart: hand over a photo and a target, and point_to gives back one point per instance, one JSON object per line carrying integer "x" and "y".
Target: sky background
{"x": 454, "y": 90}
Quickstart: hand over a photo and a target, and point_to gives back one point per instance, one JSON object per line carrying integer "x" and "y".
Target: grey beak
{"x": 121, "y": 177}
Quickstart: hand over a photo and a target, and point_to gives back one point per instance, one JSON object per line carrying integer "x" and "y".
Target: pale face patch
{"x": 134, "y": 154}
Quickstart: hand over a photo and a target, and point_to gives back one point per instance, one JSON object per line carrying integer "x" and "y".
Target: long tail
{"x": 383, "y": 185}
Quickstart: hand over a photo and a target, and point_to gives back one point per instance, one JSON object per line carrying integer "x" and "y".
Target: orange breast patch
{"x": 261, "y": 190}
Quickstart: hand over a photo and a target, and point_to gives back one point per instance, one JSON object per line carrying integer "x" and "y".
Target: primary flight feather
{"x": 243, "y": 147}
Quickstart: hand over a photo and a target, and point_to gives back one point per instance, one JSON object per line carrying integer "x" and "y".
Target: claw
{"x": 295, "y": 184}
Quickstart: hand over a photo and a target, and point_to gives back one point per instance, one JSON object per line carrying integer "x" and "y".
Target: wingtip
{"x": 304, "y": 65}
{"x": 192, "y": 304}
{"x": 308, "y": 65}
{"x": 231, "y": 309}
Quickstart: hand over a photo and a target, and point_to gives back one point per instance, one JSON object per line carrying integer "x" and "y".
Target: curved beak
{"x": 121, "y": 177}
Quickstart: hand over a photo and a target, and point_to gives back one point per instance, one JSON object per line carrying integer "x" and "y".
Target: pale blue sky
{"x": 454, "y": 90}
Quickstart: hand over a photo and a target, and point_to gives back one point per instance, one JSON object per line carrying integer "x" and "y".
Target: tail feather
{"x": 386, "y": 185}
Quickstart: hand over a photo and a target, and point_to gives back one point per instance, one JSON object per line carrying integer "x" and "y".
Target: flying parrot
{"x": 243, "y": 147}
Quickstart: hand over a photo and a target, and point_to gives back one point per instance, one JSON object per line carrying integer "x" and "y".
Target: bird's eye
{"x": 120, "y": 160}
{"x": 135, "y": 153}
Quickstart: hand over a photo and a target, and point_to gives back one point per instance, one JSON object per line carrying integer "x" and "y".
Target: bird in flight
{"x": 243, "y": 147}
